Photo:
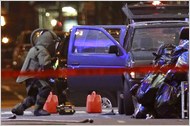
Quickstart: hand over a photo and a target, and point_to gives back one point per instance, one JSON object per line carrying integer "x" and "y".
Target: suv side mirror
{"x": 114, "y": 49}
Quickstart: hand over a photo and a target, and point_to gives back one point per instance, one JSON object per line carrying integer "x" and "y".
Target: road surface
{"x": 12, "y": 93}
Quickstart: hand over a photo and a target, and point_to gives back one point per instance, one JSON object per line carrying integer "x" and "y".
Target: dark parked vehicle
{"x": 21, "y": 49}
{"x": 150, "y": 27}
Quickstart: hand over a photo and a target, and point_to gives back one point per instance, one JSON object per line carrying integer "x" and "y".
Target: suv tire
{"x": 127, "y": 100}
{"x": 120, "y": 103}
{"x": 111, "y": 96}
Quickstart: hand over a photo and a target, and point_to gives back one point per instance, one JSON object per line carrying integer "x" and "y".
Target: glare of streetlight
{"x": 3, "y": 23}
{"x": 5, "y": 40}
{"x": 47, "y": 14}
{"x": 53, "y": 22}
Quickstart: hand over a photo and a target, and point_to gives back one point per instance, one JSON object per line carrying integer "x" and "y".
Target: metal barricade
{"x": 184, "y": 100}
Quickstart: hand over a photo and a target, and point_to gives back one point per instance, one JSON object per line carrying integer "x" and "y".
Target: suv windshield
{"x": 151, "y": 38}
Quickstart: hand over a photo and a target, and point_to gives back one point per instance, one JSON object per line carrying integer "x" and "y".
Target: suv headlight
{"x": 132, "y": 74}
{"x": 136, "y": 75}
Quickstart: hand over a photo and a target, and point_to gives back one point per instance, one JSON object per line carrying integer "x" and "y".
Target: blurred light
{"x": 59, "y": 23}
{"x": 47, "y": 14}
{"x": 38, "y": 34}
{"x": 5, "y": 40}
{"x": 187, "y": 19}
{"x": 79, "y": 33}
{"x": 132, "y": 74}
{"x": 3, "y": 23}
{"x": 68, "y": 24}
{"x": 14, "y": 63}
{"x": 156, "y": 3}
{"x": 69, "y": 11}
{"x": 53, "y": 22}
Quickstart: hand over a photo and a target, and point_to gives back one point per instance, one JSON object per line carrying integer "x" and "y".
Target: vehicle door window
{"x": 91, "y": 41}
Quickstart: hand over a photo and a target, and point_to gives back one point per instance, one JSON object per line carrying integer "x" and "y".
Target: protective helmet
{"x": 38, "y": 32}
{"x": 45, "y": 38}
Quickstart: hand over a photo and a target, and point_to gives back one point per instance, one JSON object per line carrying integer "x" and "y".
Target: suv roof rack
{"x": 159, "y": 12}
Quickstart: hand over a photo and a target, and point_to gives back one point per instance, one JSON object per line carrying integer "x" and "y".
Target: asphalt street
{"x": 12, "y": 93}
{"x": 98, "y": 119}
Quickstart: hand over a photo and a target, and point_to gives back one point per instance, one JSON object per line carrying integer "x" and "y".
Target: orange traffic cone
{"x": 51, "y": 103}
{"x": 93, "y": 103}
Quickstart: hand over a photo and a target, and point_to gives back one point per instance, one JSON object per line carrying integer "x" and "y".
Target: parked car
{"x": 6, "y": 52}
{"x": 20, "y": 51}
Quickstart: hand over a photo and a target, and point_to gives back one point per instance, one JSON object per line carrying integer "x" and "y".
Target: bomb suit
{"x": 39, "y": 58}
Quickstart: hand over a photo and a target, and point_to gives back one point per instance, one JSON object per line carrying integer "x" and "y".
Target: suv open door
{"x": 96, "y": 47}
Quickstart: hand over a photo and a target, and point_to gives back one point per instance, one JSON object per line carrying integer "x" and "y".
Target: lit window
{"x": 3, "y": 21}
{"x": 53, "y": 22}
{"x": 69, "y": 11}
{"x": 5, "y": 40}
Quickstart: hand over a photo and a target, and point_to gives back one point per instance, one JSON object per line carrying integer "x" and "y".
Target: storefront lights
{"x": 3, "y": 23}
{"x": 47, "y": 14}
{"x": 53, "y": 22}
{"x": 5, "y": 40}
{"x": 69, "y": 11}
{"x": 155, "y": 3}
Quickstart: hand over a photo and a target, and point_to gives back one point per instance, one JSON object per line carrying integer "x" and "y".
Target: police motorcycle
{"x": 158, "y": 95}
{"x": 59, "y": 84}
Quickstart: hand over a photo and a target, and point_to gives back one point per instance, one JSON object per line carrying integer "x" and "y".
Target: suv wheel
{"x": 106, "y": 103}
{"x": 109, "y": 98}
{"x": 127, "y": 97}
{"x": 120, "y": 103}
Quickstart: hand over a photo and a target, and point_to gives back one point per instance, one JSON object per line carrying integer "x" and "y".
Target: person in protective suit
{"x": 39, "y": 58}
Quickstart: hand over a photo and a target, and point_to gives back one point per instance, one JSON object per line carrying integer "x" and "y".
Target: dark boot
{"x": 41, "y": 112}
{"x": 38, "y": 111}
{"x": 18, "y": 109}
{"x": 27, "y": 102}
{"x": 40, "y": 101}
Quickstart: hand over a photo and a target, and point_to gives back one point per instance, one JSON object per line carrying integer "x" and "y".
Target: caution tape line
{"x": 65, "y": 72}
